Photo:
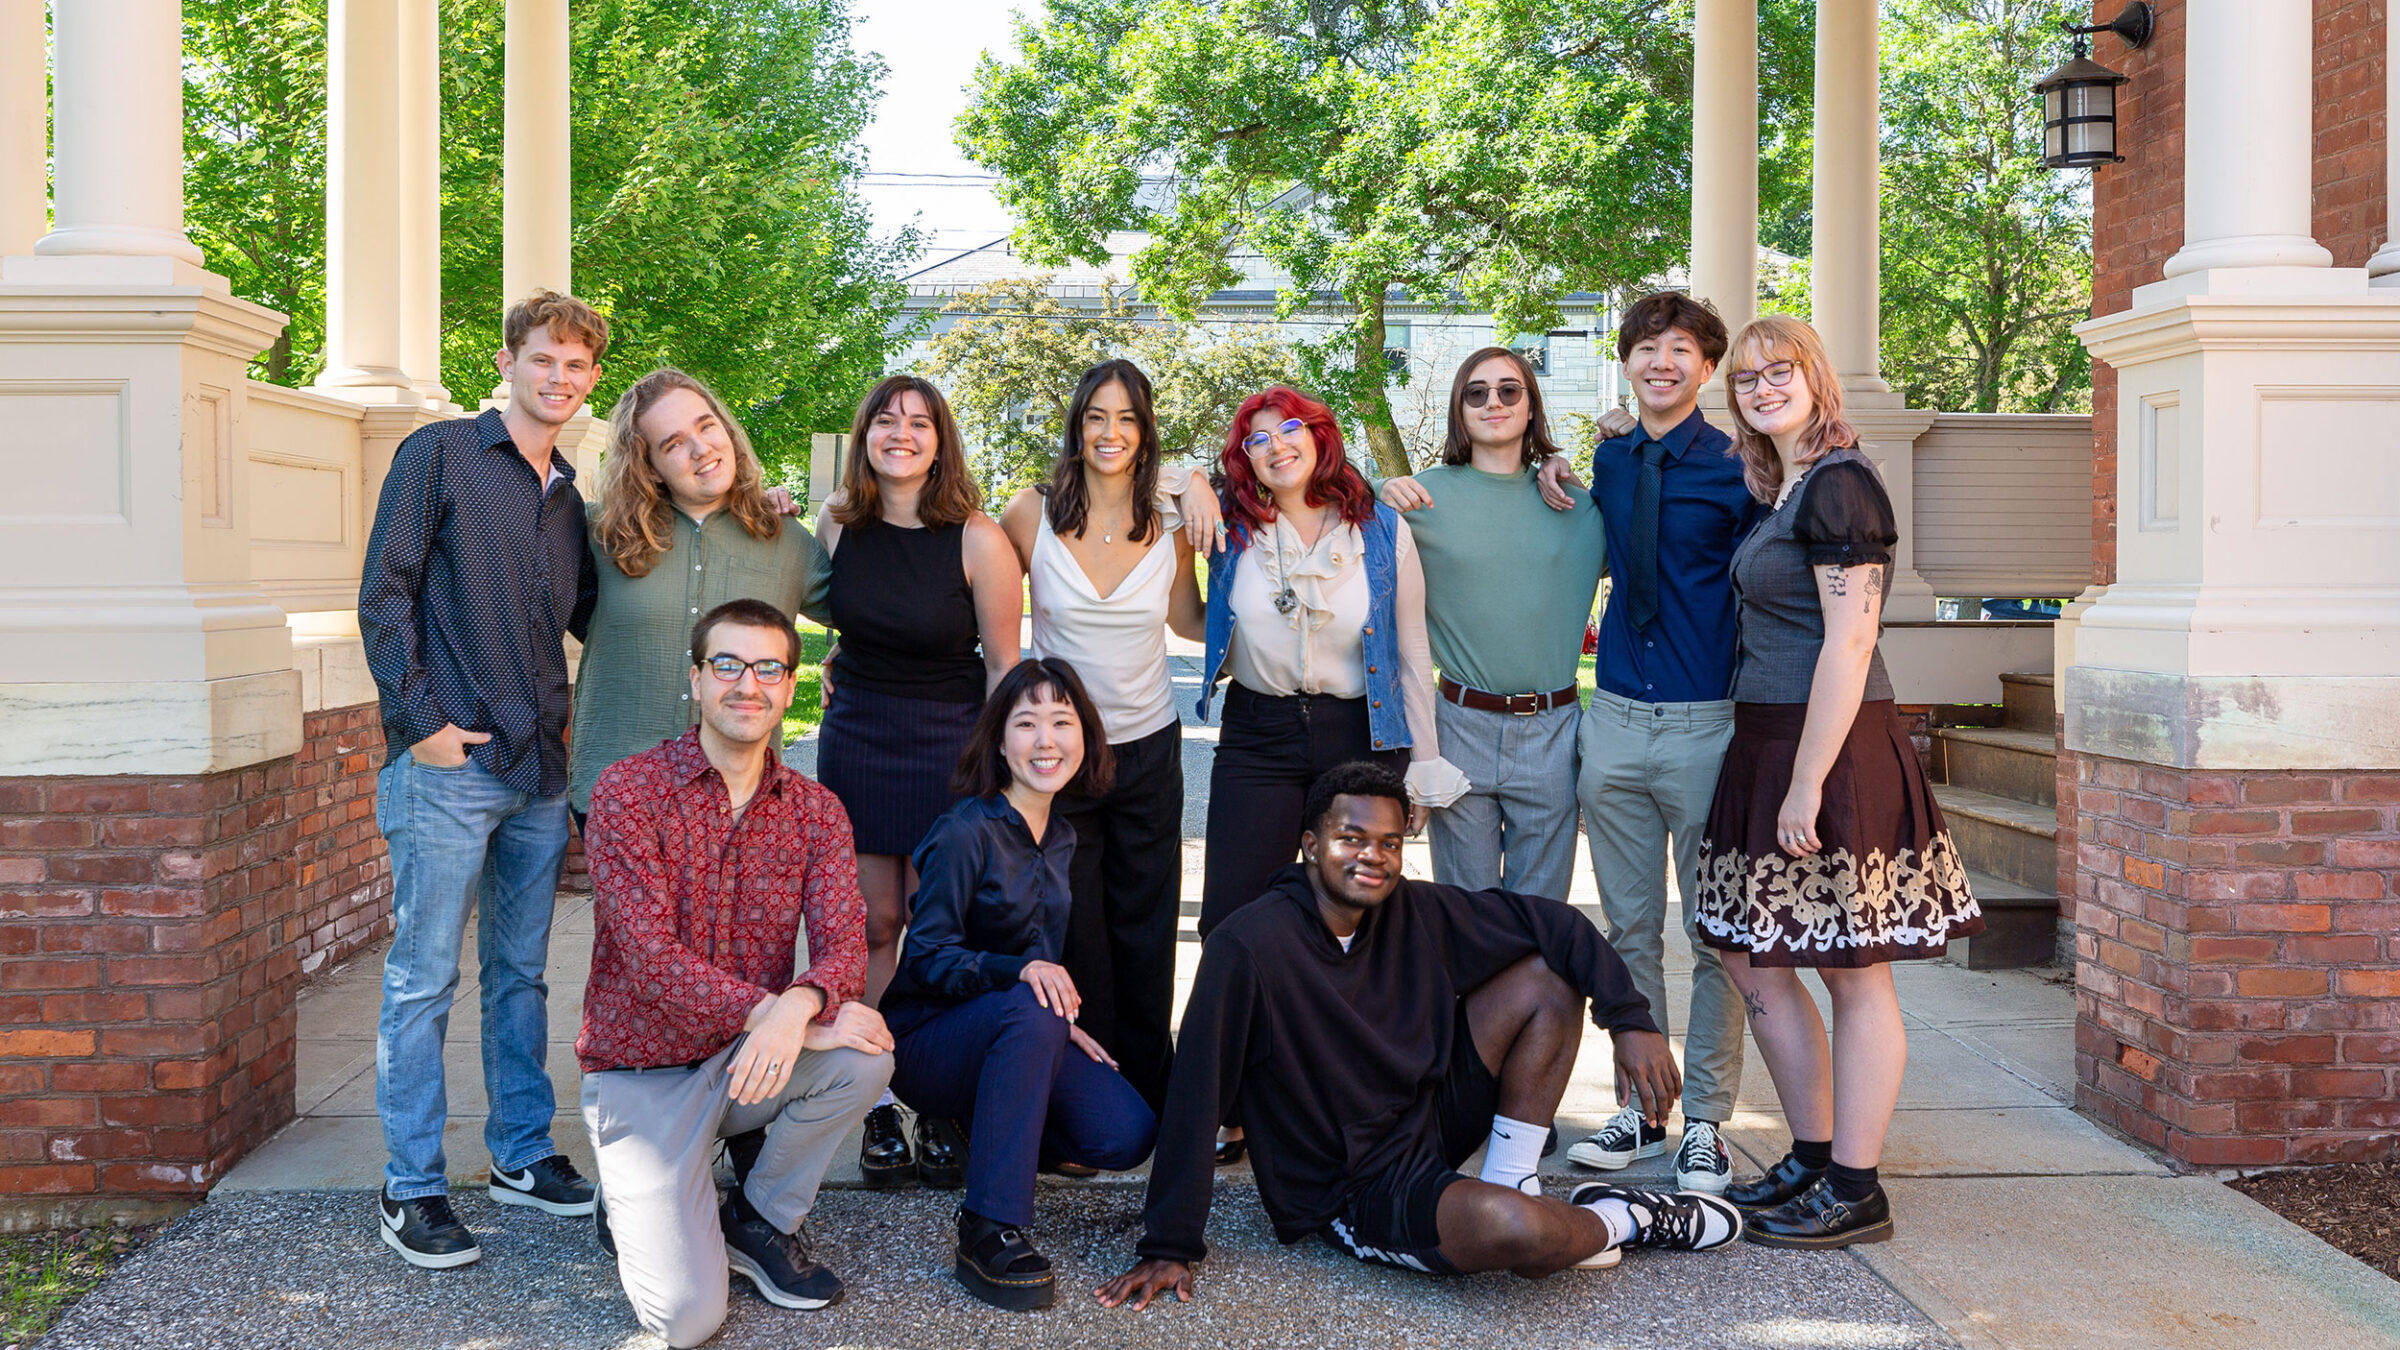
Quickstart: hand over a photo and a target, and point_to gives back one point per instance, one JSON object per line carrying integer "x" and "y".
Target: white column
{"x": 1725, "y": 158}
{"x": 536, "y": 171}
{"x": 2247, "y": 148}
{"x": 1845, "y": 245}
{"x": 24, "y": 122}
{"x": 118, "y": 121}
{"x": 420, "y": 175}
{"x": 2384, "y": 267}
{"x": 362, "y": 201}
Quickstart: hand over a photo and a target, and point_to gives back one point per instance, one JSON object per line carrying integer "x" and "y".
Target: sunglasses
{"x": 1777, "y": 373}
{"x": 728, "y": 670}
{"x": 1258, "y": 440}
{"x": 1509, "y": 392}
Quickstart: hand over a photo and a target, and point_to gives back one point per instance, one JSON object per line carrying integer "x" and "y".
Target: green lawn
{"x": 808, "y": 691}
{"x": 42, "y": 1274}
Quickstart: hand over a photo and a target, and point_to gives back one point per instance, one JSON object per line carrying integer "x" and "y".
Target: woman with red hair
{"x": 1316, "y": 608}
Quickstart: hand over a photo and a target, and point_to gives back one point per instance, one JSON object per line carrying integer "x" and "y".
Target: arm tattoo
{"x": 1756, "y": 1005}
{"x": 1874, "y": 587}
{"x": 1836, "y": 581}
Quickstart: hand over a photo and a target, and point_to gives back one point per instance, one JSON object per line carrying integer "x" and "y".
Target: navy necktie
{"x": 1641, "y": 588}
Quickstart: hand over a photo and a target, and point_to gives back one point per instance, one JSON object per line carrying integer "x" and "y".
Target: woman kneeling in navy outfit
{"x": 983, "y": 1012}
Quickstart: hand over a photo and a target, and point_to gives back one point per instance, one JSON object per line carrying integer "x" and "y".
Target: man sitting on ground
{"x": 1369, "y": 1031}
{"x": 709, "y": 860}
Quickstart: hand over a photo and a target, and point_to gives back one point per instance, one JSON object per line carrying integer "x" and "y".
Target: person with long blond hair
{"x": 928, "y": 599}
{"x": 685, "y": 523}
{"x": 1824, "y": 848}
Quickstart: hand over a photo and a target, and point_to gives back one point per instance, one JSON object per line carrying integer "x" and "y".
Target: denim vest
{"x": 1387, "y": 719}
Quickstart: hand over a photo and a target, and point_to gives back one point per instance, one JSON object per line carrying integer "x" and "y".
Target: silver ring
{"x": 772, "y": 1066}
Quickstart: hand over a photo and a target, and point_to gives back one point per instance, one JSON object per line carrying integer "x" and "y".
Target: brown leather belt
{"x": 1522, "y": 705}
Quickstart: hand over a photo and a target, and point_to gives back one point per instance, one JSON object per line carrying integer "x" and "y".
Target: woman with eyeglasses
{"x": 927, "y": 596}
{"x": 1111, "y": 571}
{"x": 1824, "y": 848}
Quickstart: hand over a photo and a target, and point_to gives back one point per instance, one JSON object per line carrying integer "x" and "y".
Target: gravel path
{"x": 304, "y": 1269}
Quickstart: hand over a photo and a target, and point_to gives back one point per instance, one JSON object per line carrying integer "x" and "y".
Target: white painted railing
{"x": 2004, "y": 504}
{"x": 308, "y": 512}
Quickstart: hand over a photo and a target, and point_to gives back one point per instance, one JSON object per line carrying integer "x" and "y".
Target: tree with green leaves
{"x": 716, "y": 214}
{"x": 1014, "y": 351}
{"x": 1491, "y": 155}
{"x": 1986, "y": 251}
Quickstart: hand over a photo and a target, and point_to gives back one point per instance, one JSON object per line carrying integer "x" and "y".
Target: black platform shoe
{"x": 883, "y": 1157}
{"x": 1814, "y": 1218}
{"x": 1782, "y": 1182}
{"x": 941, "y": 1153}
{"x": 999, "y": 1265}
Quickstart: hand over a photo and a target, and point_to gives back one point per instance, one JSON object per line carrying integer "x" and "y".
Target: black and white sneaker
{"x": 426, "y": 1232}
{"x": 1684, "y": 1221}
{"x": 1622, "y": 1140}
{"x": 552, "y": 1186}
{"x": 1702, "y": 1164}
{"x": 776, "y": 1262}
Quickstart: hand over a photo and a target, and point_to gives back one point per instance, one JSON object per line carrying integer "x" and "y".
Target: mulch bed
{"x": 2354, "y": 1206}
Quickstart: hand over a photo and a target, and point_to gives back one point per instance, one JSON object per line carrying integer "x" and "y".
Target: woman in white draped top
{"x": 1110, "y": 573}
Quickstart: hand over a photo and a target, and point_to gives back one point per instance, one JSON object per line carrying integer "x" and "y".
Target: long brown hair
{"x": 1761, "y": 343}
{"x": 1068, "y": 504}
{"x": 636, "y": 523}
{"x": 949, "y": 495}
{"x": 1455, "y": 447}
{"x": 1246, "y": 500}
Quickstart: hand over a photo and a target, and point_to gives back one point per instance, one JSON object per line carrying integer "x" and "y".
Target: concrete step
{"x": 2002, "y": 761}
{"x": 2012, "y": 840}
{"x": 2029, "y": 701}
{"x": 2020, "y": 925}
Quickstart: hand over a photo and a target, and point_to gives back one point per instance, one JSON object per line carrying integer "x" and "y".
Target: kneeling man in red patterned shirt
{"x": 710, "y": 860}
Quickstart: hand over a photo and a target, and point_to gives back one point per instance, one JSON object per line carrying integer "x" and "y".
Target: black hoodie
{"x": 1329, "y": 1059}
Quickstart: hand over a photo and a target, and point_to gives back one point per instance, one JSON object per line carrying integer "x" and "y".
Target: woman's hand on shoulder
{"x": 1557, "y": 482}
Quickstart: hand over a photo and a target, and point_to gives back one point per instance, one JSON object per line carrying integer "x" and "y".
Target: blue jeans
{"x": 1005, "y": 1060}
{"x": 455, "y": 833}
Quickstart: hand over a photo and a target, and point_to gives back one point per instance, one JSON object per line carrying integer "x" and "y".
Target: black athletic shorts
{"x": 1389, "y": 1217}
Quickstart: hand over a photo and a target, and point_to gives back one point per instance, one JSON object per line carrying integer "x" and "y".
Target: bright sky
{"x": 931, "y": 47}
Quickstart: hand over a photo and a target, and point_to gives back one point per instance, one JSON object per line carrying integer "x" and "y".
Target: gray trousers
{"x": 654, "y": 1132}
{"x": 1648, "y": 773}
{"x": 1515, "y": 828}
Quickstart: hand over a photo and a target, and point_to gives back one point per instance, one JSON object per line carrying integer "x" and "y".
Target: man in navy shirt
{"x": 1673, "y": 504}
{"x": 475, "y": 574}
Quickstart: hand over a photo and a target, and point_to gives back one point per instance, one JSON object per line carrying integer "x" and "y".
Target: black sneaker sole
{"x": 741, "y": 1264}
{"x": 508, "y": 1195}
{"x": 1008, "y": 1295}
{"x": 428, "y": 1260}
{"x": 1874, "y": 1232}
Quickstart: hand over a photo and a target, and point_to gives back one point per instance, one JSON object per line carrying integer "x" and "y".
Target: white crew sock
{"x": 1514, "y": 1152}
{"x": 1618, "y": 1216}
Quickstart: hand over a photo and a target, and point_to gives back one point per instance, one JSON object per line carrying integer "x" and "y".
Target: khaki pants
{"x": 1647, "y": 775}
{"x": 654, "y": 1134}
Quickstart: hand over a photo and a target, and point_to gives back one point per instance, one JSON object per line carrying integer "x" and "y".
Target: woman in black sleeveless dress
{"x": 927, "y": 599}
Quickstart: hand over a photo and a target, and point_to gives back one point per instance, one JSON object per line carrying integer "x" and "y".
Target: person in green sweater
{"x": 1509, "y": 584}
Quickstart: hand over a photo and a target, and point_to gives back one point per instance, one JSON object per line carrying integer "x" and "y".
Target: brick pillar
{"x": 343, "y": 876}
{"x": 146, "y": 983}
{"x": 2238, "y": 999}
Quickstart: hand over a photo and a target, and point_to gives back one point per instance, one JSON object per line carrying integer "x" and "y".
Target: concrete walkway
{"x": 2019, "y": 1222}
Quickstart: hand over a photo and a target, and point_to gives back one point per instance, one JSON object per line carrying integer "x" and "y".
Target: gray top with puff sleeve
{"x": 1839, "y": 516}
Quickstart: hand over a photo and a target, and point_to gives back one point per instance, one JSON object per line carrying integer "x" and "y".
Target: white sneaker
{"x": 1622, "y": 1140}
{"x": 1702, "y": 1164}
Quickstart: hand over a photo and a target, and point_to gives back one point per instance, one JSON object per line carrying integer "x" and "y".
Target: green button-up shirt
{"x": 634, "y": 687}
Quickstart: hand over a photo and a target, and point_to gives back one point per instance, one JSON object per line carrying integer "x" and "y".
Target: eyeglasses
{"x": 1777, "y": 373}
{"x": 1257, "y": 440}
{"x": 728, "y": 670}
{"x": 1509, "y": 391}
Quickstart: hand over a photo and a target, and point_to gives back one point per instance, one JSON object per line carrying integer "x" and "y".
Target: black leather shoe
{"x": 1783, "y": 1181}
{"x": 941, "y": 1153}
{"x": 1230, "y": 1151}
{"x": 883, "y": 1157}
{"x": 1814, "y": 1218}
{"x": 999, "y": 1265}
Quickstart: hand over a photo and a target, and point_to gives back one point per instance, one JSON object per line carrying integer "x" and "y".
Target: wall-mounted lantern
{"x": 2079, "y": 99}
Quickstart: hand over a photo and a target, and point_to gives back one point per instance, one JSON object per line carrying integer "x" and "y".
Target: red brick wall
{"x": 2350, "y": 201}
{"x": 344, "y": 879}
{"x": 147, "y": 971}
{"x": 2238, "y": 981}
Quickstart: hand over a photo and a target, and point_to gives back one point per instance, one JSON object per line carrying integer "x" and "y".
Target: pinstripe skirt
{"x": 889, "y": 759}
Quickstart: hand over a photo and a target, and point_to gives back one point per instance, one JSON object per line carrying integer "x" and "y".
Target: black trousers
{"x": 1269, "y": 753}
{"x": 1127, "y": 882}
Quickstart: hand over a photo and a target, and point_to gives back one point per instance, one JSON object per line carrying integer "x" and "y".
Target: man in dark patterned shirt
{"x": 475, "y": 574}
{"x": 710, "y": 860}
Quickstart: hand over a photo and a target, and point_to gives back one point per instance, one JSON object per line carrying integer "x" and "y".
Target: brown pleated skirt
{"x": 1886, "y": 883}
